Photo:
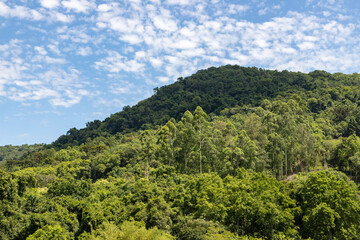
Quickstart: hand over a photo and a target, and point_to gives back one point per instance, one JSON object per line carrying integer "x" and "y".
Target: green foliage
{"x": 196, "y": 229}
{"x": 259, "y": 206}
{"x": 256, "y": 171}
{"x": 215, "y": 89}
{"x": 127, "y": 231}
{"x": 50, "y": 232}
{"x": 9, "y": 152}
{"x": 330, "y": 206}
{"x": 71, "y": 187}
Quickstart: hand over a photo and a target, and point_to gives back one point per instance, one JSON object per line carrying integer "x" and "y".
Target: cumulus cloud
{"x": 50, "y": 3}
{"x": 163, "y": 79}
{"x": 60, "y": 17}
{"x": 19, "y": 11}
{"x": 104, "y": 7}
{"x": 178, "y": 2}
{"x": 79, "y": 6}
{"x": 49, "y": 14}
{"x": 234, "y": 9}
{"x": 164, "y": 21}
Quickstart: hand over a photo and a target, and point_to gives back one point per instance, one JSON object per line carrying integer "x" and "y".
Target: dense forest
{"x": 254, "y": 154}
{"x": 9, "y": 152}
{"x": 215, "y": 89}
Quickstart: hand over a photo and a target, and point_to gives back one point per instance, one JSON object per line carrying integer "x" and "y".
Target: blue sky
{"x": 67, "y": 62}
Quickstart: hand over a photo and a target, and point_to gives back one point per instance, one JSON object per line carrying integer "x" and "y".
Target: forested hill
{"x": 277, "y": 157}
{"x": 9, "y": 152}
{"x": 215, "y": 89}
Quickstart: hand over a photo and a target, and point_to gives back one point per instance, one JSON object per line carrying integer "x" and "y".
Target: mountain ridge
{"x": 213, "y": 89}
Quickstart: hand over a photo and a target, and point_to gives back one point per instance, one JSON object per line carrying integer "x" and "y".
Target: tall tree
{"x": 147, "y": 139}
{"x": 185, "y": 140}
{"x": 201, "y": 126}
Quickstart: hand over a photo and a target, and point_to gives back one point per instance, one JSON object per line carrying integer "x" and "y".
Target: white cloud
{"x": 24, "y": 12}
{"x": 54, "y": 48}
{"x": 160, "y": 41}
{"x": 51, "y": 60}
{"x": 4, "y": 10}
{"x": 125, "y": 25}
{"x": 140, "y": 55}
{"x": 79, "y": 6}
{"x": 131, "y": 38}
{"x": 191, "y": 53}
{"x": 76, "y": 34}
{"x": 50, "y": 3}
{"x": 40, "y": 50}
{"x": 57, "y": 86}
{"x": 234, "y": 9}
{"x": 164, "y": 21}
{"x": 185, "y": 44}
{"x": 163, "y": 79}
{"x": 115, "y": 102}
{"x": 115, "y": 62}
{"x": 19, "y": 12}
{"x": 121, "y": 87}
{"x": 306, "y": 46}
{"x": 4, "y": 47}
{"x": 156, "y": 62}
{"x": 263, "y": 11}
{"x": 62, "y": 17}
{"x": 84, "y": 51}
{"x": 173, "y": 47}
{"x": 178, "y": 2}
{"x": 26, "y": 77}
{"x": 105, "y": 7}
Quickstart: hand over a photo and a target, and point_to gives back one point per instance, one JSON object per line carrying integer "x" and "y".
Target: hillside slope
{"x": 9, "y": 152}
{"x": 204, "y": 176}
{"x": 214, "y": 89}
{"x": 198, "y": 178}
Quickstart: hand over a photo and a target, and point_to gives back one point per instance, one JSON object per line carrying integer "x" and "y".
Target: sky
{"x": 64, "y": 63}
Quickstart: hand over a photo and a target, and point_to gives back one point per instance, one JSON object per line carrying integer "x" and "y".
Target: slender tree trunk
{"x": 274, "y": 168}
{"x": 172, "y": 157}
{"x": 172, "y": 160}
{"x": 147, "y": 168}
{"x": 200, "y": 159}
{"x": 286, "y": 162}
{"x": 200, "y": 145}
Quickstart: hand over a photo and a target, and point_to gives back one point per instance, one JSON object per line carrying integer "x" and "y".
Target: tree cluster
{"x": 215, "y": 89}
{"x": 9, "y": 152}
{"x": 276, "y": 157}
{"x": 249, "y": 173}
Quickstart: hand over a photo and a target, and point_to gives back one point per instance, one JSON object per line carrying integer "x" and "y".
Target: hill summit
{"x": 213, "y": 89}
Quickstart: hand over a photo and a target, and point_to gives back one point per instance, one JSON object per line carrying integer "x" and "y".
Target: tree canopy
{"x": 281, "y": 163}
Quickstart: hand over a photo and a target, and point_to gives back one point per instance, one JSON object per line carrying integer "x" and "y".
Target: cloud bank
{"x": 68, "y": 50}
